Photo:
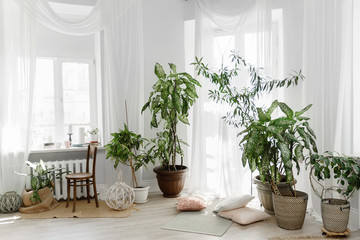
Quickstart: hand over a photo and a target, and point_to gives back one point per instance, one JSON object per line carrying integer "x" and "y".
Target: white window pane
{"x": 76, "y": 93}
{"x": 44, "y": 112}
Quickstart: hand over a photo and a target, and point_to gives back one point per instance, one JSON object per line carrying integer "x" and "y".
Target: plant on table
{"x": 170, "y": 103}
{"x": 126, "y": 147}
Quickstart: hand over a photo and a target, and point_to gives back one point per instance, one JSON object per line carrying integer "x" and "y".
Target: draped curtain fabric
{"x": 215, "y": 166}
{"x": 317, "y": 38}
{"x": 120, "y": 23}
{"x": 16, "y": 92}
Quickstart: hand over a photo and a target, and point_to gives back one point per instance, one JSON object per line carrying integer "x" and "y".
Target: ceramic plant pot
{"x": 171, "y": 183}
{"x": 141, "y": 194}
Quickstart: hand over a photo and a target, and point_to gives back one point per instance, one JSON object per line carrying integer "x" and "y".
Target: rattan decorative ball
{"x": 10, "y": 202}
{"x": 120, "y": 196}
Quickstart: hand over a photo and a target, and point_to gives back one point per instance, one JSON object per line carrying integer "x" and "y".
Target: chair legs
{"x": 87, "y": 191}
{"x": 95, "y": 193}
{"x": 68, "y": 192}
{"x": 74, "y": 201}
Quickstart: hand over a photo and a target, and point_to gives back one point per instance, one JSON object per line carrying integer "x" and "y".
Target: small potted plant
{"x": 126, "y": 147}
{"x": 335, "y": 211}
{"x": 42, "y": 181}
{"x": 273, "y": 146}
{"x": 170, "y": 103}
{"x": 94, "y": 134}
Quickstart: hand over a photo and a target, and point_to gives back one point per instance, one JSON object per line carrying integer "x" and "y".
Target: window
{"x": 64, "y": 96}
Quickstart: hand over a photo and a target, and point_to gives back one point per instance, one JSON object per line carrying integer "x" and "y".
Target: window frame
{"x": 59, "y": 123}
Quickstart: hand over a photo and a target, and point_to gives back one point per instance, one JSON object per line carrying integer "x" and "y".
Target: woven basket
{"x": 335, "y": 214}
{"x": 290, "y": 211}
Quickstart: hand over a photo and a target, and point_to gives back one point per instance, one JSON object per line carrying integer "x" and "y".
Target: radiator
{"x": 60, "y": 190}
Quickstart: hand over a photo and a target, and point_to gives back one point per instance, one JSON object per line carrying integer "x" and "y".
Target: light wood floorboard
{"x": 143, "y": 224}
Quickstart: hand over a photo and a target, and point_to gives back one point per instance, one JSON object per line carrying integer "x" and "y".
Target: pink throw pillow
{"x": 191, "y": 204}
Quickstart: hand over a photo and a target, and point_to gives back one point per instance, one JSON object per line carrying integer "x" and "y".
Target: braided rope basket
{"x": 120, "y": 196}
{"x": 290, "y": 211}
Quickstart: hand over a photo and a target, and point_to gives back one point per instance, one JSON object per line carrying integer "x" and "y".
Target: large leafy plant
{"x": 169, "y": 103}
{"x": 273, "y": 146}
{"x": 126, "y": 147}
{"x": 345, "y": 169}
{"x": 242, "y": 100}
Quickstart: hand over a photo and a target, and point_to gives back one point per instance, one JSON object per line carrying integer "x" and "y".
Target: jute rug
{"x": 297, "y": 238}
{"x": 83, "y": 210}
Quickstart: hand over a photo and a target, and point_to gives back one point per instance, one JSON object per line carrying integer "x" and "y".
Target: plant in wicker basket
{"x": 345, "y": 172}
{"x": 273, "y": 146}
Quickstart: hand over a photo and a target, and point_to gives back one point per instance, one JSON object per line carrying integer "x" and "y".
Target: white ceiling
{"x": 76, "y": 2}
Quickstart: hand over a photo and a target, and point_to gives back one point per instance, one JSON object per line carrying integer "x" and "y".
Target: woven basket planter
{"x": 335, "y": 214}
{"x": 265, "y": 193}
{"x": 290, "y": 211}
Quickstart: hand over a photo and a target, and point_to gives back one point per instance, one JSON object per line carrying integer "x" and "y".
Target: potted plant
{"x": 126, "y": 147}
{"x": 273, "y": 146}
{"x": 242, "y": 102}
{"x": 42, "y": 181}
{"x": 169, "y": 104}
{"x": 335, "y": 211}
{"x": 94, "y": 134}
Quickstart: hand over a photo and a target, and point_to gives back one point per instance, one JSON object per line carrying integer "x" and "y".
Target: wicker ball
{"x": 120, "y": 196}
{"x": 10, "y": 202}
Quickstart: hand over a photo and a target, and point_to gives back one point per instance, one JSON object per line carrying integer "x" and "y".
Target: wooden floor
{"x": 143, "y": 224}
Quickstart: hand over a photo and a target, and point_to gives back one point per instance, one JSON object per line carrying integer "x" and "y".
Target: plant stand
{"x": 335, "y": 234}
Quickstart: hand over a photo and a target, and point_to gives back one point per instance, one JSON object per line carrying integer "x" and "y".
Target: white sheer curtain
{"x": 317, "y": 38}
{"x": 17, "y": 80}
{"x": 221, "y": 26}
{"x": 119, "y": 22}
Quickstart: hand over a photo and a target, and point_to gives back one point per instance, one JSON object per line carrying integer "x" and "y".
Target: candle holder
{"x": 70, "y": 138}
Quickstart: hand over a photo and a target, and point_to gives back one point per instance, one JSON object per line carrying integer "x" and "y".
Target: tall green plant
{"x": 169, "y": 103}
{"x": 272, "y": 146}
{"x": 242, "y": 101}
{"x": 126, "y": 147}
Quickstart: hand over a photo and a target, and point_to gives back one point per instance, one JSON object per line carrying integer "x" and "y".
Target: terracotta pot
{"x": 171, "y": 182}
{"x": 265, "y": 193}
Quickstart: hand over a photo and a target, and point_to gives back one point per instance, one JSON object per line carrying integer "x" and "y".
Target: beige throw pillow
{"x": 233, "y": 203}
{"x": 244, "y": 215}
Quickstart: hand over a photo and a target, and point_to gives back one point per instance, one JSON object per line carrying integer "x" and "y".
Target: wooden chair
{"x": 83, "y": 178}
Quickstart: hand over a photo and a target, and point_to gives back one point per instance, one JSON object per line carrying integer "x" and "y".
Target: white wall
{"x": 163, "y": 43}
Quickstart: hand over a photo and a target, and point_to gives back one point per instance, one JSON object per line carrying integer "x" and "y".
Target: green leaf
{"x": 159, "y": 71}
{"x": 273, "y": 106}
{"x": 172, "y": 67}
{"x": 286, "y": 109}
{"x": 262, "y": 116}
{"x": 183, "y": 119}
{"x": 283, "y": 122}
{"x": 297, "y": 114}
{"x": 299, "y": 153}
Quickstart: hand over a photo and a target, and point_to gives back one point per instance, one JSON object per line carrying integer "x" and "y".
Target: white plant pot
{"x": 141, "y": 194}
{"x": 94, "y": 137}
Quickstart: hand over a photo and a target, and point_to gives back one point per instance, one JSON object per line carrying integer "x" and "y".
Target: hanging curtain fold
{"x": 120, "y": 24}
{"x": 221, "y": 26}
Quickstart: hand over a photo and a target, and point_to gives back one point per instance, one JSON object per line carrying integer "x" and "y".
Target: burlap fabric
{"x": 47, "y": 201}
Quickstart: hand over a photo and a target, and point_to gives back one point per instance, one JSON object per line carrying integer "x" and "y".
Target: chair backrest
{"x": 91, "y": 153}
